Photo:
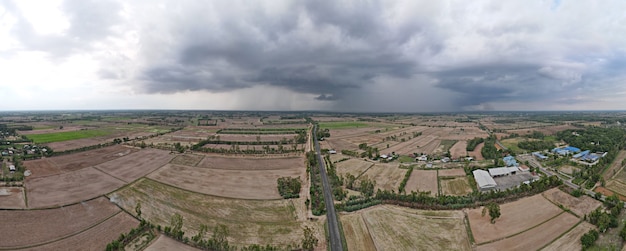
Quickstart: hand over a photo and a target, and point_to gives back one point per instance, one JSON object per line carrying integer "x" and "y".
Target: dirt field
{"x": 569, "y": 169}
{"x": 95, "y": 238}
{"x": 187, "y": 159}
{"x": 476, "y": 153}
{"x": 356, "y": 232}
{"x": 571, "y": 240}
{"x": 275, "y": 222}
{"x": 40, "y": 226}
{"x": 607, "y": 192}
{"x": 423, "y": 180}
{"x": 458, "y": 150}
{"x": 387, "y": 176}
{"x": 456, "y": 186}
{"x": 456, "y": 172}
{"x": 239, "y": 163}
{"x": 580, "y": 206}
{"x": 515, "y": 217}
{"x": 76, "y": 161}
{"x": 69, "y": 187}
{"x": 615, "y": 166}
{"x": 12, "y": 198}
{"x": 136, "y": 165}
{"x": 536, "y": 237}
{"x": 253, "y": 184}
{"x": 397, "y": 228}
{"x": 164, "y": 243}
{"x": 353, "y": 166}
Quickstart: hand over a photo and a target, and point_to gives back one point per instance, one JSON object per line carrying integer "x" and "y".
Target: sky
{"x": 329, "y": 55}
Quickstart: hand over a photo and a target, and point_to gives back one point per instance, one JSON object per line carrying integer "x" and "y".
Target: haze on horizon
{"x": 363, "y": 56}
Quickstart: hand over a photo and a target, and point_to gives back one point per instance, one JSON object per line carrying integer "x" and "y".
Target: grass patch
{"x": 447, "y": 144}
{"x": 405, "y": 159}
{"x": 65, "y": 136}
{"x": 343, "y": 125}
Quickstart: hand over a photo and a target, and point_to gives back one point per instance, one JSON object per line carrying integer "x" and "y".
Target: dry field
{"x": 476, "y": 153}
{"x": 387, "y": 176}
{"x": 250, "y": 163}
{"x": 134, "y": 166}
{"x": 12, "y": 198}
{"x": 353, "y": 166}
{"x": 356, "y": 232}
{"x": 455, "y": 172}
{"x": 423, "y": 181}
{"x": 67, "y": 188}
{"x": 340, "y": 144}
{"x": 95, "y": 238}
{"x": 164, "y": 243}
{"x": 187, "y": 159}
{"x": 458, "y": 150}
{"x": 537, "y": 237}
{"x": 455, "y": 186}
{"x": 570, "y": 240}
{"x": 275, "y": 222}
{"x": 33, "y": 227}
{"x": 580, "y": 206}
{"x": 397, "y": 228}
{"x": 617, "y": 187}
{"x": 607, "y": 192}
{"x": 616, "y": 166}
{"x": 75, "y": 161}
{"x": 569, "y": 169}
{"x": 241, "y": 184}
{"x": 515, "y": 217}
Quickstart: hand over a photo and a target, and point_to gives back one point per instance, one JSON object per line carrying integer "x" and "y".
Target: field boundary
{"x": 366, "y": 169}
{"x": 561, "y": 235}
{"x": 125, "y": 182}
{"x": 369, "y": 232}
{"x": 525, "y": 230}
{"x": 63, "y": 237}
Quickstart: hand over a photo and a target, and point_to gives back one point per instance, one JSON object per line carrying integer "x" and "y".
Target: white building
{"x": 484, "y": 180}
{"x": 502, "y": 171}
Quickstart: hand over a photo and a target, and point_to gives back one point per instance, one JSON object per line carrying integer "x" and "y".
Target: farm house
{"x": 484, "y": 180}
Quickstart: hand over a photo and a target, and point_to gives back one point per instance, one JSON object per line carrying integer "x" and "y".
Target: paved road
{"x": 331, "y": 215}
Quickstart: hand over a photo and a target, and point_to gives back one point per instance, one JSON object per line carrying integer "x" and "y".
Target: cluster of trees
{"x": 472, "y": 143}
{"x": 535, "y": 145}
{"x": 124, "y": 239}
{"x": 322, "y": 133}
{"x": 407, "y": 175}
{"x": 289, "y": 187}
{"x": 596, "y": 139}
{"x": 235, "y": 149}
{"x": 494, "y": 211}
{"x": 336, "y": 182}
{"x": 370, "y": 152}
{"x": 607, "y": 219}
{"x": 355, "y": 203}
{"x": 317, "y": 194}
{"x": 589, "y": 238}
{"x": 489, "y": 150}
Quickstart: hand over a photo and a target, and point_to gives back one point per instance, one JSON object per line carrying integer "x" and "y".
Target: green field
{"x": 343, "y": 125}
{"x": 65, "y": 136}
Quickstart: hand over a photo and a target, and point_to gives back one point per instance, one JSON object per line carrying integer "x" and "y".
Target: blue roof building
{"x": 510, "y": 161}
{"x": 572, "y": 149}
{"x": 581, "y": 154}
{"x": 540, "y": 156}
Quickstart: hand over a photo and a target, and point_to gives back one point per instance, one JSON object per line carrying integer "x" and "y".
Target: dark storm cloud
{"x": 341, "y": 49}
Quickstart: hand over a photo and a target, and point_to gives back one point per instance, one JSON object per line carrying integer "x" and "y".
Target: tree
{"x": 176, "y": 224}
{"x": 309, "y": 242}
{"x": 589, "y": 238}
{"x": 138, "y": 209}
{"x": 494, "y": 211}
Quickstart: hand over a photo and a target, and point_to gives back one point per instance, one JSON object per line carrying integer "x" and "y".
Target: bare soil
{"x": 607, "y": 192}
{"x": 571, "y": 240}
{"x": 276, "y": 222}
{"x": 356, "y": 232}
{"x": 353, "y": 166}
{"x": 397, "y": 228}
{"x": 459, "y": 150}
{"x": 164, "y": 243}
{"x": 12, "y": 198}
{"x": 455, "y": 172}
{"x": 515, "y": 217}
{"x": 67, "y": 188}
{"x": 71, "y": 162}
{"x": 97, "y": 237}
{"x": 136, "y": 165}
{"x": 456, "y": 186}
{"x": 34, "y": 227}
{"x": 423, "y": 180}
{"x": 241, "y": 184}
{"x": 537, "y": 237}
{"x": 250, "y": 163}
{"x": 187, "y": 159}
{"x": 580, "y": 206}
{"x": 387, "y": 176}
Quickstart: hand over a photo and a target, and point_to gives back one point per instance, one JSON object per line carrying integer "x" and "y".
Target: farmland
{"x": 65, "y": 136}
{"x": 12, "y": 198}
{"x": 423, "y": 230}
{"x": 455, "y": 186}
{"x": 275, "y": 222}
{"x": 136, "y": 165}
{"x": 423, "y": 181}
{"x": 571, "y": 240}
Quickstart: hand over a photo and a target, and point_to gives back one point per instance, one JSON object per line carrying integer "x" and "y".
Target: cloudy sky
{"x": 380, "y": 56}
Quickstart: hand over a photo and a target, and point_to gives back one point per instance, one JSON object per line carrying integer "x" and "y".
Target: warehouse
{"x": 484, "y": 180}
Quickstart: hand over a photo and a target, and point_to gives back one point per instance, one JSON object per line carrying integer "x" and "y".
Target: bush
{"x": 289, "y": 187}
